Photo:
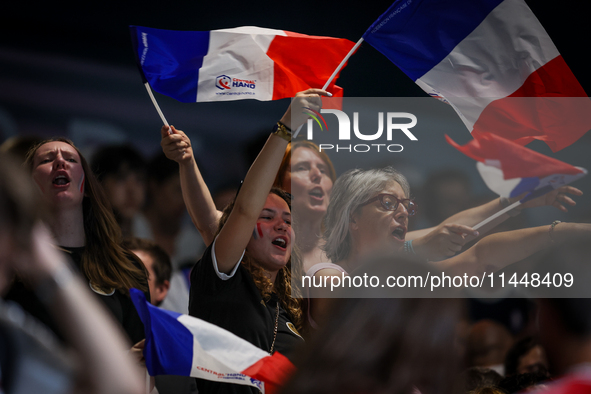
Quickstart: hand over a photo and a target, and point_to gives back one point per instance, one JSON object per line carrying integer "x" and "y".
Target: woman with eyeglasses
{"x": 369, "y": 212}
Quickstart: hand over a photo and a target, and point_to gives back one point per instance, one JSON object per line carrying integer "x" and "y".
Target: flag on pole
{"x": 178, "y": 344}
{"x": 510, "y": 169}
{"x": 234, "y": 64}
{"x": 492, "y": 61}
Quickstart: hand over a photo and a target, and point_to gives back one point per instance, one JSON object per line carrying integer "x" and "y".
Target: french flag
{"x": 238, "y": 63}
{"x": 184, "y": 345}
{"x": 492, "y": 61}
{"x": 510, "y": 169}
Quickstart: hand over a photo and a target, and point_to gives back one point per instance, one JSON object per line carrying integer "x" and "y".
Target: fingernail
{"x": 476, "y": 233}
{"x": 329, "y": 94}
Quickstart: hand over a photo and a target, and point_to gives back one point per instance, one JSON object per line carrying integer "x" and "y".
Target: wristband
{"x": 408, "y": 247}
{"x": 281, "y": 130}
{"x": 551, "y": 229}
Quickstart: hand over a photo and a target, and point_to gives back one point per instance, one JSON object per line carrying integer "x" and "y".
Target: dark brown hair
{"x": 104, "y": 261}
{"x": 282, "y": 286}
{"x": 162, "y": 266}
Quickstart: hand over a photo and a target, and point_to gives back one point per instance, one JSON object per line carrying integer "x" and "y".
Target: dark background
{"x": 67, "y": 68}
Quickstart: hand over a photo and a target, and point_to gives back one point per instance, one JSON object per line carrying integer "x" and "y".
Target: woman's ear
{"x": 353, "y": 226}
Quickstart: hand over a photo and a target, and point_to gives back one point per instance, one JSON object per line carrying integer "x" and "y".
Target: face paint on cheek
{"x": 257, "y": 233}
{"x": 82, "y": 181}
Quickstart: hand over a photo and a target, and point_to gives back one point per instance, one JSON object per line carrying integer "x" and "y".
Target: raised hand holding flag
{"x": 232, "y": 64}
{"x": 511, "y": 170}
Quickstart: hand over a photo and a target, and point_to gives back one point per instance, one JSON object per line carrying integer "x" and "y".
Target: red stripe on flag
{"x": 272, "y": 370}
{"x": 551, "y": 106}
{"x": 291, "y": 74}
{"x": 516, "y": 161}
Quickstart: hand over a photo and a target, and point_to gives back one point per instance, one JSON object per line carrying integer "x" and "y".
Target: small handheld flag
{"x": 232, "y": 64}
{"x": 510, "y": 169}
{"x": 178, "y": 344}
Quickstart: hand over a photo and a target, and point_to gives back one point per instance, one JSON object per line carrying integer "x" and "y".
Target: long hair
{"x": 352, "y": 189}
{"x": 381, "y": 345}
{"x": 104, "y": 261}
{"x": 282, "y": 286}
{"x": 286, "y": 161}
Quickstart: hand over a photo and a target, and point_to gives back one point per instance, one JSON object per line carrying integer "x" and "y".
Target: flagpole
{"x": 147, "y": 85}
{"x": 340, "y": 66}
{"x": 496, "y": 215}
{"x": 334, "y": 74}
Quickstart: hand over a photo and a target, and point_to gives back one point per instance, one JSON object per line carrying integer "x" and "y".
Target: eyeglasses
{"x": 390, "y": 203}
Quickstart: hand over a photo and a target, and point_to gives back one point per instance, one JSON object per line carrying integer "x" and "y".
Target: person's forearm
{"x": 198, "y": 200}
{"x": 473, "y": 216}
{"x": 260, "y": 177}
{"x": 501, "y": 249}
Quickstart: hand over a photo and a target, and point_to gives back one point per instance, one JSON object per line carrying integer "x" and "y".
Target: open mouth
{"x": 280, "y": 242}
{"x": 61, "y": 180}
{"x": 399, "y": 232}
{"x": 317, "y": 192}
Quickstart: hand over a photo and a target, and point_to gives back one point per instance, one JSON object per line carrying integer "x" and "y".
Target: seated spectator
{"x": 158, "y": 265}
{"x": 487, "y": 345}
{"x": 121, "y": 170}
{"x": 526, "y": 356}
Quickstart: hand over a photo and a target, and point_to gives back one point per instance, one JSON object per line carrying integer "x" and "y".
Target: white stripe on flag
{"x": 239, "y": 53}
{"x": 490, "y": 65}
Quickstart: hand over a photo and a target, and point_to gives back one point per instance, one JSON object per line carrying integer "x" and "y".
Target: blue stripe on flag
{"x": 417, "y": 34}
{"x": 525, "y": 185}
{"x": 169, "y": 344}
{"x": 171, "y": 59}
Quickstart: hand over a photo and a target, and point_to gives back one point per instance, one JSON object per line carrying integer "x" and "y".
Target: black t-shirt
{"x": 118, "y": 303}
{"x": 236, "y": 305}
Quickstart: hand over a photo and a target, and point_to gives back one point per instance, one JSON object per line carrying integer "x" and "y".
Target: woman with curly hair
{"x": 243, "y": 281}
{"x": 84, "y": 227}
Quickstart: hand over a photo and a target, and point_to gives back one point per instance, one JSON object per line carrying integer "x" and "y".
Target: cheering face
{"x": 272, "y": 236}
{"x": 374, "y": 227}
{"x": 58, "y": 173}
{"x": 309, "y": 182}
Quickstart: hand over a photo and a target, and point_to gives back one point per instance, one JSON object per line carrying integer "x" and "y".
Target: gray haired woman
{"x": 369, "y": 212}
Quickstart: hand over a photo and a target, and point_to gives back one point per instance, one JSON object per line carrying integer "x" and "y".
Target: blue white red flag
{"x": 510, "y": 169}
{"x": 232, "y": 64}
{"x": 178, "y": 344}
{"x": 484, "y": 57}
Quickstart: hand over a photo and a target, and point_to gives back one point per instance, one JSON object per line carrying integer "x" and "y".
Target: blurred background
{"x": 67, "y": 68}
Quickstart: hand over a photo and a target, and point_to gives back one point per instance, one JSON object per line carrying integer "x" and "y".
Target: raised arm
{"x": 448, "y": 238}
{"x": 177, "y": 146}
{"x": 251, "y": 199}
{"x": 498, "y": 250}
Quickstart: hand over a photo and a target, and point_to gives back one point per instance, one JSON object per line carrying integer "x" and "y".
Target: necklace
{"x": 275, "y": 330}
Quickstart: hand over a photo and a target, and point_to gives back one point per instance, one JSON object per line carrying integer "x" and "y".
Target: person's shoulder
{"x": 325, "y": 269}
